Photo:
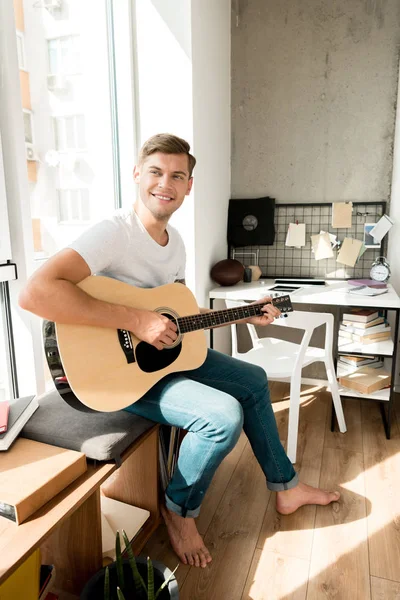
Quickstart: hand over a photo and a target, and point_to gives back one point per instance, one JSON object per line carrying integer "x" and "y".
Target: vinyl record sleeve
{"x": 251, "y": 222}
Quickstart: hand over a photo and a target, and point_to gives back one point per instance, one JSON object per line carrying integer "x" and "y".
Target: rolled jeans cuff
{"x": 182, "y": 512}
{"x": 280, "y": 487}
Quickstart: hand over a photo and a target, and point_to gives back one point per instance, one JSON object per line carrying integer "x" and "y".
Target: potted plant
{"x": 131, "y": 579}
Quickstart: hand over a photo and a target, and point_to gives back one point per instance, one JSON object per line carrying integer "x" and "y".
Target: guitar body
{"x": 110, "y": 369}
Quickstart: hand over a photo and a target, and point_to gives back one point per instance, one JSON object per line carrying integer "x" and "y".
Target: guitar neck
{"x": 216, "y": 318}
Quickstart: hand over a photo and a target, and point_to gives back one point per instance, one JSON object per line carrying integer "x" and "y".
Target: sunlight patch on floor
{"x": 275, "y": 577}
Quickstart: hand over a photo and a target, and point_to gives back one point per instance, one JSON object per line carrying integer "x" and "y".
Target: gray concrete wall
{"x": 314, "y": 88}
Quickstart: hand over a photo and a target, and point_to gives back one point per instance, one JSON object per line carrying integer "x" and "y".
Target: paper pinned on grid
{"x": 296, "y": 235}
{"x": 341, "y": 214}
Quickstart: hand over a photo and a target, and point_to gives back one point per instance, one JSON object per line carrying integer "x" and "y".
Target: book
{"x": 376, "y": 364}
{"x": 23, "y": 584}
{"x": 115, "y": 516}
{"x": 47, "y": 578}
{"x": 365, "y": 332}
{"x": 350, "y": 359}
{"x": 4, "y": 412}
{"x": 376, "y": 337}
{"x": 344, "y": 341}
{"x": 363, "y": 315}
{"x": 21, "y": 410}
{"x": 357, "y": 360}
{"x": 32, "y": 473}
{"x": 369, "y": 282}
{"x": 367, "y": 325}
{"x": 366, "y": 380}
{"x": 364, "y": 290}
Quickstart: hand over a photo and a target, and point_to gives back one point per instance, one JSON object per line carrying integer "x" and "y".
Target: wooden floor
{"x": 349, "y": 550}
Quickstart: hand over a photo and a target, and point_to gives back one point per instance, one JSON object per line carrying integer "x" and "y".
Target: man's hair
{"x": 167, "y": 144}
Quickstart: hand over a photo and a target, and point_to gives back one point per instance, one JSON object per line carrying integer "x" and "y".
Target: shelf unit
{"x": 335, "y": 299}
{"x": 385, "y": 349}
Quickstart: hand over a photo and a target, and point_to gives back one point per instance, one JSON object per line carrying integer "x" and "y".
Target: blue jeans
{"x": 213, "y": 403}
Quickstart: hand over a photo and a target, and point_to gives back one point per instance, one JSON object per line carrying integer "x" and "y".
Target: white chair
{"x": 283, "y": 360}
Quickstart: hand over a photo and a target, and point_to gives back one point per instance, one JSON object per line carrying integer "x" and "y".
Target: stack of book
{"x": 357, "y": 362}
{"x": 363, "y": 326}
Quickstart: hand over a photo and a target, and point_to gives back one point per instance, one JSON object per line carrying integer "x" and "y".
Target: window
{"x": 27, "y": 114}
{"x": 73, "y": 206}
{"x": 21, "y": 50}
{"x": 79, "y": 116}
{"x": 70, "y": 132}
{"x": 64, "y": 55}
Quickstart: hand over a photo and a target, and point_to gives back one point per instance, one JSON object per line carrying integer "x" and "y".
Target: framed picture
{"x": 369, "y": 241}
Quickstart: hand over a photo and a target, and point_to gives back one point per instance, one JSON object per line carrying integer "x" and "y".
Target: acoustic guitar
{"x": 108, "y": 369}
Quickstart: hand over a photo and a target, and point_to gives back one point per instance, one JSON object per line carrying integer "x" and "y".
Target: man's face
{"x": 164, "y": 182}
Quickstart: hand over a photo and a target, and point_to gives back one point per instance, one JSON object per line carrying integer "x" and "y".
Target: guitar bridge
{"x": 125, "y": 341}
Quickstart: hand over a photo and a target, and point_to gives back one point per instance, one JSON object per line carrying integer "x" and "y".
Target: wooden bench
{"x": 68, "y": 528}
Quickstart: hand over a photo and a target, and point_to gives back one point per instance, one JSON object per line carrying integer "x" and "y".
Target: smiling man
{"x": 214, "y": 402}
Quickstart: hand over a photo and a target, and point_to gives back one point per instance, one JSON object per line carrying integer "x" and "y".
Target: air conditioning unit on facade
{"x": 30, "y": 152}
{"x": 57, "y": 82}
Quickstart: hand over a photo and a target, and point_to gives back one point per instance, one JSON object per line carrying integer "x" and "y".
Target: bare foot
{"x": 185, "y": 539}
{"x": 288, "y": 501}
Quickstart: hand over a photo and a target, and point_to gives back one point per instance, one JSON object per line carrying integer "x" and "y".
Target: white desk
{"x": 336, "y": 295}
{"x": 333, "y": 293}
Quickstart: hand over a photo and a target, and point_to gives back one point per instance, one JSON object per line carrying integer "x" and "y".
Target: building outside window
{"x": 78, "y": 127}
{"x": 70, "y": 133}
{"x": 73, "y": 206}
{"x": 64, "y": 55}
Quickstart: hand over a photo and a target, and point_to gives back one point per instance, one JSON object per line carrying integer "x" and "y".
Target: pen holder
{"x": 247, "y": 276}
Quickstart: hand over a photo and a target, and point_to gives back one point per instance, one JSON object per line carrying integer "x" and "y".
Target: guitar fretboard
{"x": 218, "y": 317}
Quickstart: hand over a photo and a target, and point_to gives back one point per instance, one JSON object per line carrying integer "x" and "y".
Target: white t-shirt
{"x": 120, "y": 247}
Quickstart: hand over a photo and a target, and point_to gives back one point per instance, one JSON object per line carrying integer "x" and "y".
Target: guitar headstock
{"x": 284, "y": 303}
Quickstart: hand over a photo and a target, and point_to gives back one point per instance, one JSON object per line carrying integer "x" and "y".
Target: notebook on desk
{"x": 364, "y": 290}
{"x": 21, "y": 410}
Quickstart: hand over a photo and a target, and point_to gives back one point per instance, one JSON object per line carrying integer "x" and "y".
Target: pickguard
{"x": 150, "y": 360}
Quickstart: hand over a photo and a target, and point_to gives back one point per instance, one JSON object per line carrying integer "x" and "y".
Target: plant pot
{"x": 94, "y": 588}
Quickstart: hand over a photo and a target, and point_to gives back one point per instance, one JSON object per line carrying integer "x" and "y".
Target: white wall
{"x": 212, "y": 138}
{"x": 164, "y": 90}
{"x": 314, "y": 87}
{"x": 184, "y": 88}
{"x": 212, "y": 129}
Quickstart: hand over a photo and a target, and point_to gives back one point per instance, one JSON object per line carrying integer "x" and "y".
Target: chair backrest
{"x": 308, "y": 321}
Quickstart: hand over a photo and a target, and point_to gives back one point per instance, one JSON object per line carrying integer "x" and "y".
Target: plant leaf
{"x": 166, "y": 582}
{"x": 120, "y": 567}
{"x": 107, "y": 584}
{"x": 150, "y": 580}
{"x": 137, "y": 578}
{"x": 120, "y": 594}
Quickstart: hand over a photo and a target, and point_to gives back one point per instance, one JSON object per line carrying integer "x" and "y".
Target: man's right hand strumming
{"x": 153, "y": 328}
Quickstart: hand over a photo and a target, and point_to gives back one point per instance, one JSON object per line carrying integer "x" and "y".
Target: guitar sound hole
{"x": 150, "y": 360}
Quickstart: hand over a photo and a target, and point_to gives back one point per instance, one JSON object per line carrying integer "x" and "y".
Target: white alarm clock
{"x": 380, "y": 270}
